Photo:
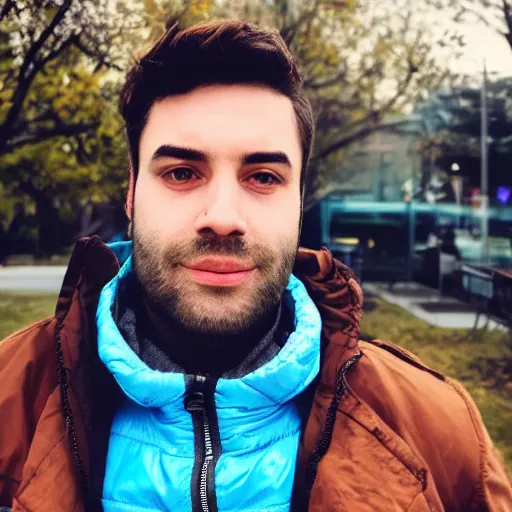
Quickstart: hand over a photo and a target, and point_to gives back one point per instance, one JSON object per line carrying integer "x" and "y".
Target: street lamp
{"x": 484, "y": 171}
{"x": 457, "y": 186}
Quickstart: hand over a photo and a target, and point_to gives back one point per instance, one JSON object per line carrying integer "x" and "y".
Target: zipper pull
{"x": 194, "y": 399}
{"x": 195, "y": 402}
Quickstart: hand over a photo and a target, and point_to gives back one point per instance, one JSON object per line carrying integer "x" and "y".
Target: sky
{"x": 484, "y": 43}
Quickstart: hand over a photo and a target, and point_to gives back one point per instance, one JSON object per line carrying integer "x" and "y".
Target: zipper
{"x": 324, "y": 440}
{"x": 68, "y": 413}
{"x": 200, "y": 403}
{"x": 208, "y": 459}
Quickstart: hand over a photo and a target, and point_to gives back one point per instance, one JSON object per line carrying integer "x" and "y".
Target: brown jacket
{"x": 384, "y": 433}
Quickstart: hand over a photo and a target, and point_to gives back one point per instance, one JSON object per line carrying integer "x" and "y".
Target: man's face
{"x": 217, "y": 205}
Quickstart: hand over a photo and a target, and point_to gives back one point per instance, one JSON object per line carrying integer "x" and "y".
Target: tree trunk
{"x": 47, "y": 220}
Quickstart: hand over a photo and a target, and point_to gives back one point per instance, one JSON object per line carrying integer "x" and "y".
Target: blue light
{"x": 503, "y": 194}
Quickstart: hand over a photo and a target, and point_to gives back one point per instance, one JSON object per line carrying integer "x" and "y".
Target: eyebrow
{"x": 258, "y": 157}
{"x": 266, "y": 157}
{"x": 179, "y": 152}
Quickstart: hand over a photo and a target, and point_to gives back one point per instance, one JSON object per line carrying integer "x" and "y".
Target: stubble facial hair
{"x": 166, "y": 291}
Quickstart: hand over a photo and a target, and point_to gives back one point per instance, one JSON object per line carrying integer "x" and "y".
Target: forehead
{"x": 223, "y": 119}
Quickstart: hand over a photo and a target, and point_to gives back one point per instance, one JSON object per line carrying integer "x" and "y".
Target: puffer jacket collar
{"x": 299, "y": 358}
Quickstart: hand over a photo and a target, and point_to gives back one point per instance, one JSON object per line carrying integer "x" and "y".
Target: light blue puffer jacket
{"x": 155, "y": 459}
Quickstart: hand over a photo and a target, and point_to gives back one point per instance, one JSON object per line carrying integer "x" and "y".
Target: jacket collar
{"x": 339, "y": 299}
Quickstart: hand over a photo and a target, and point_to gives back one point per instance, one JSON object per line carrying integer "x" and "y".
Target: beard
{"x": 177, "y": 299}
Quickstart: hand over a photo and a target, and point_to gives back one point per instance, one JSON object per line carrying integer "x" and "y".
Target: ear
{"x": 130, "y": 195}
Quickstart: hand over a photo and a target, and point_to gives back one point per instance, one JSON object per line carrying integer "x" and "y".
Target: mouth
{"x": 219, "y": 271}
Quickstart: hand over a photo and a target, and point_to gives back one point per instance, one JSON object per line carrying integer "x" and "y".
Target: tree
{"x": 35, "y": 35}
{"x": 159, "y": 15}
{"x": 496, "y": 14}
{"x": 61, "y": 173}
{"x": 58, "y": 129}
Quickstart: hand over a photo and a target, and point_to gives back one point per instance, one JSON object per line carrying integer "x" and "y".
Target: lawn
{"x": 483, "y": 365}
{"x": 20, "y": 309}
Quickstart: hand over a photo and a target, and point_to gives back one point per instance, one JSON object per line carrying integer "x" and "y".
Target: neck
{"x": 207, "y": 354}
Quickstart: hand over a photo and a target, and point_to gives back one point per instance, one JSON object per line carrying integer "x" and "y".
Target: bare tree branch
{"x": 59, "y": 49}
{"x": 27, "y": 74}
{"x": 42, "y": 134}
{"x": 355, "y": 135}
{"x": 402, "y": 87}
{"x": 465, "y": 10}
{"x": 12, "y": 135}
{"x": 312, "y": 84}
{"x": 289, "y": 32}
{"x": 102, "y": 61}
{"x": 507, "y": 11}
{"x": 9, "y": 4}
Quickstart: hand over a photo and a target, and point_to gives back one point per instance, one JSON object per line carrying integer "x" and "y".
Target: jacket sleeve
{"x": 494, "y": 490}
{"x": 27, "y": 369}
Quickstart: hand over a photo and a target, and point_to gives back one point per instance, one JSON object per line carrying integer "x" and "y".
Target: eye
{"x": 265, "y": 179}
{"x": 180, "y": 175}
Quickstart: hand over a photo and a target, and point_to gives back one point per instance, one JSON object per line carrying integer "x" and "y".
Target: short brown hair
{"x": 222, "y": 52}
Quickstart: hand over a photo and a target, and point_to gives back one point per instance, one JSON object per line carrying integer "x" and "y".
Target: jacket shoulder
{"x": 435, "y": 416}
{"x": 407, "y": 394}
{"x": 28, "y": 376}
{"x": 25, "y": 346}
{"x": 410, "y": 386}
{"x": 400, "y": 353}
{"x": 411, "y": 397}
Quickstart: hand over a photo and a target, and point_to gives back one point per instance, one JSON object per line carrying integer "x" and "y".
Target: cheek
{"x": 157, "y": 211}
{"x": 278, "y": 221}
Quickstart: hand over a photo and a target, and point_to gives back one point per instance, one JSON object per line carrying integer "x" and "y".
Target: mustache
{"x": 222, "y": 245}
{"x": 235, "y": 246}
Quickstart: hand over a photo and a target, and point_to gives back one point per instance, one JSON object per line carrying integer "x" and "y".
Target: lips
{"x": 219, "y": 271}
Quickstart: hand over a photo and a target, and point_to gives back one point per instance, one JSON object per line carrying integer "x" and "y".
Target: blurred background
{"x": 410, "y": 181}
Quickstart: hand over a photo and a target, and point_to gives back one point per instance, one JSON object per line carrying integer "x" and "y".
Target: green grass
{"x": 20, "y": 309}
{"x": 483, "y": 365}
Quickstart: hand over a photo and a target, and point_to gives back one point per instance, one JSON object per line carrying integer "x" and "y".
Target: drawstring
{"x": 68, "y": 413}
{"x": 324, "y": 440}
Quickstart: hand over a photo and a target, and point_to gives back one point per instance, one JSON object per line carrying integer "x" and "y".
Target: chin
{"x": 213, "y": 327}
{"x": 216, "y": 320}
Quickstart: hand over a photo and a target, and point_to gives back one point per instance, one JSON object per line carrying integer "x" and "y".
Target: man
{"x": 194, "y": 371}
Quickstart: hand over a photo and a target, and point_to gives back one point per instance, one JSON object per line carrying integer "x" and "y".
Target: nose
{"x": 221, "y": 213}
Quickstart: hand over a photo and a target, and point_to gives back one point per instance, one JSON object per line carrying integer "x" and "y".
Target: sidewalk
{"x": 31, "y": 278}
{"x": 426, "y": 303}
